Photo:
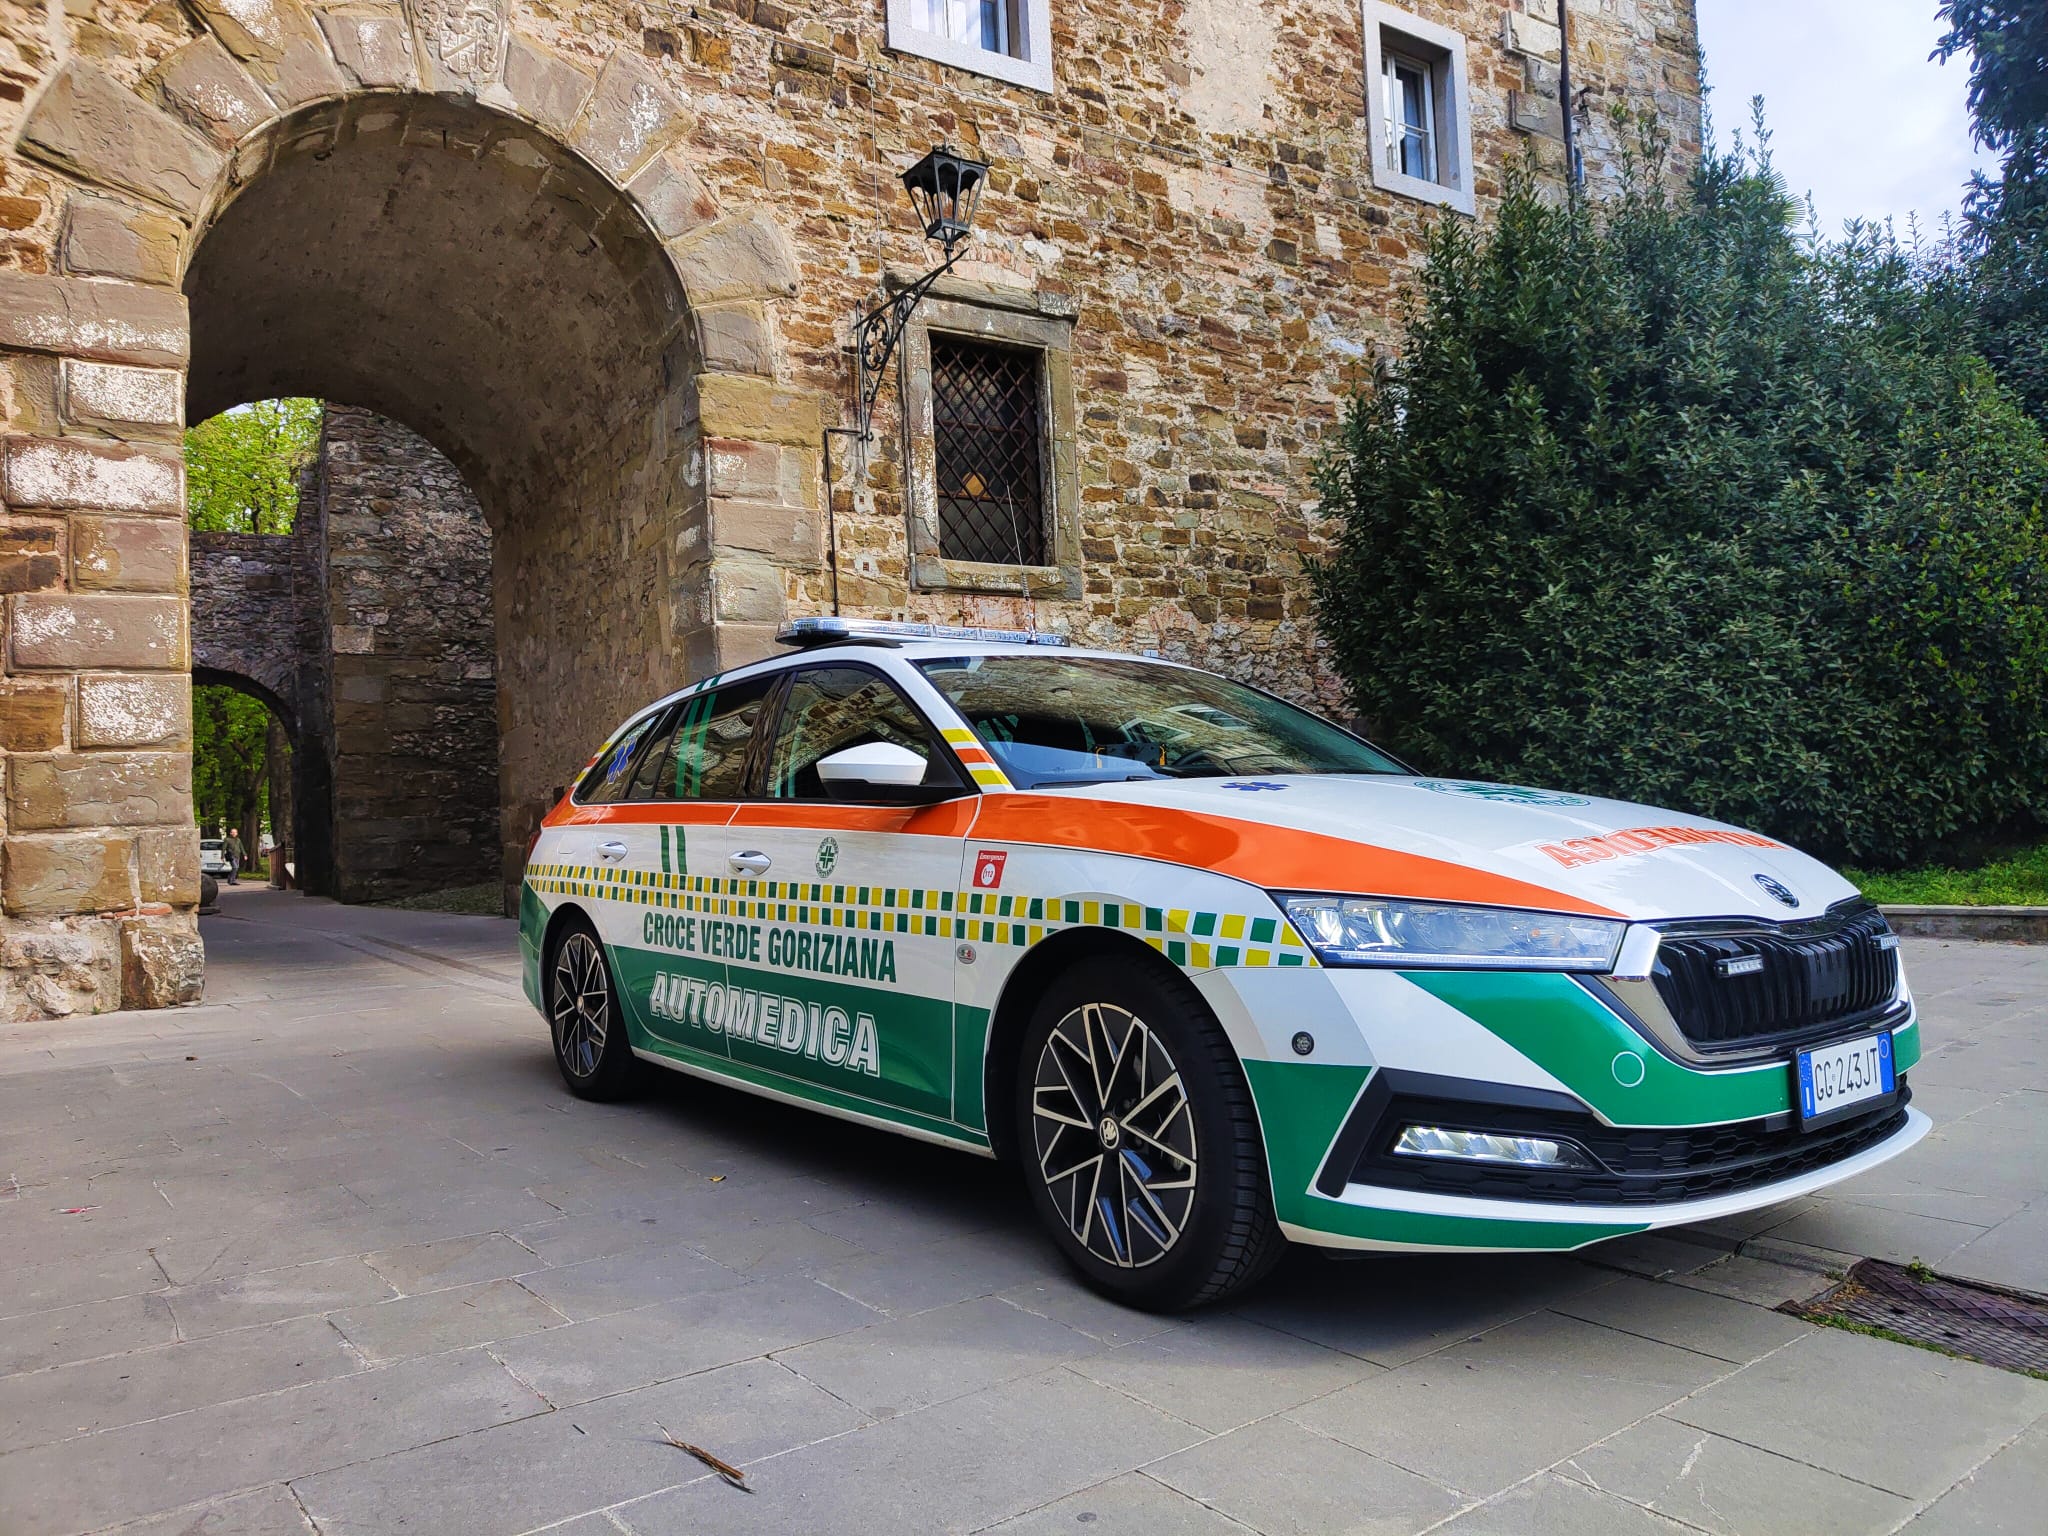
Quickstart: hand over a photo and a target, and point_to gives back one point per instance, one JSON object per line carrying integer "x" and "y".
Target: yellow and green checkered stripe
{"x": 1198, "y": 940}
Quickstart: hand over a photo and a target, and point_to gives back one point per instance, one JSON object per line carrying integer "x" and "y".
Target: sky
{"x": 1861, "y": 118}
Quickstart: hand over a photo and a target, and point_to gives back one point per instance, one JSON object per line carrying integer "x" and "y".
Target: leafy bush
{"x": 1663, "y": 501}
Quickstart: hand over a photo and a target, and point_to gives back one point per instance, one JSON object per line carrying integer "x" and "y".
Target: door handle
{"x": 611, "y": 853}
{"x": 749, "y": 862}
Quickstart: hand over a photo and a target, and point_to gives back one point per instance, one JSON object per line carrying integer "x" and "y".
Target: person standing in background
{"x": 231, "y": 845}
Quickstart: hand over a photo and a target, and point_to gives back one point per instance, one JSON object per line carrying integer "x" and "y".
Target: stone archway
{"x": 441, "y": 220}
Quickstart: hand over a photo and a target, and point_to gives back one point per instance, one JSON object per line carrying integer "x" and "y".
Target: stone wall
{"x": 368, "y": 631}
{"x": 604, "y": 257}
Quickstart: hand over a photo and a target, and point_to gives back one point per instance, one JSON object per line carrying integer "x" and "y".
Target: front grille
{"x": 1639, "y": 1167}
{"x": 1816, "y": 974}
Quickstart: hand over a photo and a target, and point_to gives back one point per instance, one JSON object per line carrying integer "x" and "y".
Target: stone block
{"x": 205, "y": 87}
{"x": 756, "y": 410}
{"x": 460, "y": 46}
{"x": 163, "y": 964}
{"x": 746, "y": 593}
{"x": 671, "y": 198}
{"x": 97, "y": 630}
{"x": 149, "y": 710}
{"x": 1535, "y": 38}
{"x": 743, "y": 470}
{"x": 31, "y": 557}
{"x": 167, "y": 865}
{"x": 1542, "y": 10}
{"x": 1531, "y": 112}
{"x": 736, "y": 338}
{"x": 785, "y": 532}
{"x": 117, "y": 322}
{"x": 32, "y": 716}
{"x": 743, "y": 256}
{"x": 47, "y": 876}
{"x": 46, "y": 792}
{"x": 95, "y": 127}
{"x": 545, "y": 87}
{"x": 122, "y": 554}
{"x": 106, "y": 237}
{"x": 629, "y": 116}
{"x": 114, "y": 477}
{"x": 114, "y": 397}
{"x": 373, "y": 48}
{"x": 251, "y": 29}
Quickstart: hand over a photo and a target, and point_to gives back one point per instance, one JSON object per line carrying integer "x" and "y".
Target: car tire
{"x": 1170, "y": 1130}
{"x": 585, "y": 1018}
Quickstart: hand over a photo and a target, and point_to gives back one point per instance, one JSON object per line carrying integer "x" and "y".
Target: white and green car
{"x": 1215, "y": 973}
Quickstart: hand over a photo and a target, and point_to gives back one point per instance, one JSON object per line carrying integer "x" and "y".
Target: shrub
{"x": 1663, "y": 501}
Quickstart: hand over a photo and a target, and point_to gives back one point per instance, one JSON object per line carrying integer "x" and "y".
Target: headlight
{"x": 1370, "y": 930}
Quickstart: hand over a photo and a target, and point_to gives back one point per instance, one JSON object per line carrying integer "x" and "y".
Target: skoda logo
{"x": 1777, "y": 891}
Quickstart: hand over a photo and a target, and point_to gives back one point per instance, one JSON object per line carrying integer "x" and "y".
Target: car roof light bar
{"x": 837, "y": 631}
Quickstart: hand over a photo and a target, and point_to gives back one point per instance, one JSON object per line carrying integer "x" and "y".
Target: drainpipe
{"x": 1574, "y": 167}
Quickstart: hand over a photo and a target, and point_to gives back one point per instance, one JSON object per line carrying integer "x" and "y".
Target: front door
{"x": 845, "y": 994}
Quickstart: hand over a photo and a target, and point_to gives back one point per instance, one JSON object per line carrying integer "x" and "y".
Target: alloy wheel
{"x": 1115, "y": 1135}
{"x": 582, "y": 1010}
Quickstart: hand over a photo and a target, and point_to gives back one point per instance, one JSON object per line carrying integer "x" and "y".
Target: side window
{"x": 652, "y": 771}
{"x": 707, "y": 759}
{"x": 832, "y": 708}
{"x": 607, "y": 781}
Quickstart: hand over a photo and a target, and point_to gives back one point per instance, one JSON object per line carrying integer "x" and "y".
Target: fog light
{"x": 1480, "y": 1147}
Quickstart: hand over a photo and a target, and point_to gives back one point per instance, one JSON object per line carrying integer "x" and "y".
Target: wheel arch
{"x": 566, "y": 916}
{"x": 1027, "y": 982}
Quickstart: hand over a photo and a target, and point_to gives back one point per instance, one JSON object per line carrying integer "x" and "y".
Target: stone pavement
{"x": 335, "y": 1252}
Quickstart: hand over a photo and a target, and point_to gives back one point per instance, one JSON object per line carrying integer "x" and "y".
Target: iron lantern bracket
{"x": 878, "y": 333}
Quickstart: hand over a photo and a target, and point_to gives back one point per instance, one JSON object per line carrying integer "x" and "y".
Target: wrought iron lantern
{"x": 945, "y": 188}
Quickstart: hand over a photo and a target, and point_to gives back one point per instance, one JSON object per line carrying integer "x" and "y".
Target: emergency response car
{"x": 1215, "y": 973}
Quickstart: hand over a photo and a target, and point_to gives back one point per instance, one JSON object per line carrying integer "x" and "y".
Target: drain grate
{"x": 1978, "y": 1322}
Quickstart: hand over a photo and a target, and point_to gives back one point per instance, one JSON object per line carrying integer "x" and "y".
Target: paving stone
{"x": 34, "y": 1340}
{"x": 451, "y": 1261}
{"x": 1654, "y": 1254}
{"x": 1133, "y": 1502}
{"x": 625, "y": 1350}
{"x": 1483, "y": 1414}
{"x": 268, "y": 1295}
{"x": 121, "y": 1474}
{"x": 1558, "y": 1506}
{"x": 2014, "y": 1253}
{"x": 2003, "y": 1497}
{"x": 1729, "y": 1488}
{"x": 1898, "y": 1418}
{"x": 1757, "y": 1281}
{"x": 786, "y": 1247}
{"x": 267, "y": 1511}
{"x": 912, "y": 1362}
{"x": 1899, "y": 1237}
{"x": 1281, "y": 1479}
{"x": 519, "y": 1476}
{"x": 627, "y": 1280}
{"x": 492, "y": 1311}
{"x": 960, "y": 1466}
{"x": 49, "y": 1285}
{"x": 119, "y": 1389}
{"x": 1068, "y": 1301}
{"x": 1220, "y": 1372}
{"x": 1696, "y": 1320}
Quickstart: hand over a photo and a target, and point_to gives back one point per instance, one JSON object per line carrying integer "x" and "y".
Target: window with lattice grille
{"x": 988, "y": 451}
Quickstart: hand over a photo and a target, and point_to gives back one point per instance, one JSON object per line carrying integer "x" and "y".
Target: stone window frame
{"x": 1033, "y": 70}
{"x": 1443, "y": 48}
{"x": 1010, "y": 319}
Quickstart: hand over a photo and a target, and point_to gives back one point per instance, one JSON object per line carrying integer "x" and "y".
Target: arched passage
{"x": 502, "y": 247}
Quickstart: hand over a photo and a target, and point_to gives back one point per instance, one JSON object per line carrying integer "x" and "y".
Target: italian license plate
{"x": 1834, "y": 1078}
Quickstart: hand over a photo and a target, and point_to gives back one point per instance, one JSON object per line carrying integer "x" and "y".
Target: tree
{"x": 242, "y": 467}
{"x": 242, "y": 471}
{"x": 1666, "y": 502}
{"x": 2006, "y": 220}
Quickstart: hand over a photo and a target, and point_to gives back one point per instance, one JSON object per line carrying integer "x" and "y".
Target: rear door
{"x": 844, "y": 994}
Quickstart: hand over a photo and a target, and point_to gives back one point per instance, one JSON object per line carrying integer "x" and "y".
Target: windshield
{"x": 1051, "y": 720}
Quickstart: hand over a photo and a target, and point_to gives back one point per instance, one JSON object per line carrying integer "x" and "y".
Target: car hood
{"x": 1589, "y": 854}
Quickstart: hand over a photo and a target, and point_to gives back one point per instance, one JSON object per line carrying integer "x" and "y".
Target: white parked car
{"x": 1214, "y": 972}
{"x": 213, "y": 858}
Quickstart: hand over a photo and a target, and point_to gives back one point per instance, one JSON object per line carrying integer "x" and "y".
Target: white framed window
{"x": 1006, "y": 39}
{"x": 1419, "y": 111}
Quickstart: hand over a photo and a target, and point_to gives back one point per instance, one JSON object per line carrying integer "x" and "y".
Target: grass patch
{"x": 2018, "y": 880}
{"x": 485, "y": 900}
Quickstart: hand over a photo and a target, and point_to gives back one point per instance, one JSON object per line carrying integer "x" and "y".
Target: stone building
{"x": 605, "y": 257}
{"x": 367, "y": 631}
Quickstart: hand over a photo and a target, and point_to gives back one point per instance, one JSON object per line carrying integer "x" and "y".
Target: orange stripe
{"x": 948, "y": 819}
{"x": 641, "y": 813}
{"x": 1277, "y": 858}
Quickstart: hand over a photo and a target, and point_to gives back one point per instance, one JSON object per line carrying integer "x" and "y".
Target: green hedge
{"x": 1664, "y": 501}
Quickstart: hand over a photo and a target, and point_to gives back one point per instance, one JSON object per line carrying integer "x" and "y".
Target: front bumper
{"x": 1521, "y": 1054}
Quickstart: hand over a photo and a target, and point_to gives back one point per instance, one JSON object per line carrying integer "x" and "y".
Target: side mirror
{"x": 879, "y": 770}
